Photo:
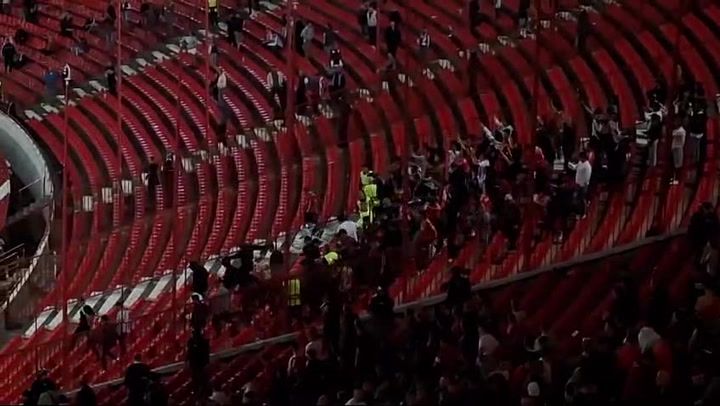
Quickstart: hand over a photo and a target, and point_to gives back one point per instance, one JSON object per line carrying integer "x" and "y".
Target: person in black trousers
{"x": 8, "y": 54}
{"x": 198, "y": 357}
{"x": 111, "y": 79}
{"x": 393, "y": 39}
{"x": 583, "y": 31}
{"x": 153, "y": 178}
{"x": 136, "y": 378}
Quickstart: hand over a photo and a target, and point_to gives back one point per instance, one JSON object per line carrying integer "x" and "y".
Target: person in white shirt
{"x": 677, "y": 147}
{"x": 583, "y": 173}
{"x": 349, "y": 226}
{"x": 307, "y": 34}
{"x": 221, "y": 84}
{"x": 372, "y": 25}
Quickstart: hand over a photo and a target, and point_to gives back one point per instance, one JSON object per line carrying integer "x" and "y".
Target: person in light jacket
{"x": 307, "y": 34}
{"x": 221, "y": 84}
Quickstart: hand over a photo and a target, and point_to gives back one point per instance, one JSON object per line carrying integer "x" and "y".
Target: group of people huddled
{"x": 474, "y": 348}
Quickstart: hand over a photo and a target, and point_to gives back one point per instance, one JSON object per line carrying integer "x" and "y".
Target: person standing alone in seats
{"x": 153, "y": 180}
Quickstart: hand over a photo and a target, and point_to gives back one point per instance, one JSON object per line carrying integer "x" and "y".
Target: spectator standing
{"x": 677, "y": 147}
{"x": 199, "y": 314}
{"x": 458, "y": 288}
{"x": 510, "y": 220}
{"x": 9, "y": 52}
{"x": 214, "y": 54}
{"x": 372, "y": 24}
{"x": 221, "y": 85}
{"x": 235, "y": 28}
{"x": 424, "y": 43}
{"x": 200, "y": 277}
{"x": 85, "y": 396}
{"x": 220, "y": 308}
{"x": 307, "y": 35}
{"x": 393, "y": 39}
{"x": 277, "y": 82}
{"x": 198, "y": 357}
{"x": 124, "y": 325}
{"x": 697, "y": 123}
{"x": 330, "y": 39}
{"x": 474, "y": 13}
{"x": 583, "y": 174}
{"x": 152, "y": 173}
{"x": 135, "y": 381}
{"x": 213, "y": 14}
{"x": 111, "y": 79}
{"x": 583, "y": 30}
{"x": 704, "y": 226}
{"x": 156, "y": 394}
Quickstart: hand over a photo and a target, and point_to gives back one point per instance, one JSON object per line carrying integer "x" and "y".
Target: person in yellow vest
{"x": 365, "y": 213}
{"x": 366, "y": 176}
{"x": 370, "y": 192}
{"x": 213, "y": 14}
{"x": 293, "y": 290}
{"x": 331, "y": 258}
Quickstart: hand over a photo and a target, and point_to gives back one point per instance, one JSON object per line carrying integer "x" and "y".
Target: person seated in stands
{"x": 90, "y": 24}
{"x": 273, "y": 41}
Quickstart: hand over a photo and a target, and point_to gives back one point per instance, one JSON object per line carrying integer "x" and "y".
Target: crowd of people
{"x": 472, "y": 348}
{"x": 437, "y": 200}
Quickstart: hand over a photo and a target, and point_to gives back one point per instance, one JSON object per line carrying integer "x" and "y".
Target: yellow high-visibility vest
{"x": 212, "y": 3}
{"x": 294, "y": 292}
{"x": 365, "y": 178}
{"x": 365, "y": 212}
{"x": 331, "y": 257}
{"x": 370, "y": 192}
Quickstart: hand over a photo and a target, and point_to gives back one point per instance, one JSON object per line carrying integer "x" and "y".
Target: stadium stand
{"x": 180, "y": 155}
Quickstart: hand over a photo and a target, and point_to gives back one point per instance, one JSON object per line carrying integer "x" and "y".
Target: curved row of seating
{"x": 265, "y": 172}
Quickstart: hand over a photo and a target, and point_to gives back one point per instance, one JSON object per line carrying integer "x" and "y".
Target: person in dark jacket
{"x": 458, "y": 288}
{"x": 198, "y": 357}
{"x": 111, "y": 79}
{"x": 135, "y": 381}
{"x": 156, "y": 393}
{"x": 153, "y": 179}
{"x": 510, "y": 221}
{"x": 393, "y": 39}
{"x": 8, "y": 53}
{"x": 235, "y": 27}
{"x": 704, "y": 226}
{"x": 199, "y": 278}
{"x": 583, "y": 30}
{"x": 85, "y": 396}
